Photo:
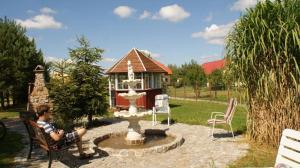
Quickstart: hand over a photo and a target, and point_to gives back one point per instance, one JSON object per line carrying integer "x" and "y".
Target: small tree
{"x": 216, "y": 81}
{"x": 91, "y": 91}
{"x": 196, "y": 76}
{"x": 184, "y": 78}
{"x": 62, "y": 93}
{"x": 175, "y": 75}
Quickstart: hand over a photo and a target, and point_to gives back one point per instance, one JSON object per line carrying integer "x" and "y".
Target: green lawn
{"x": 9, "y": 147}
{"x": 12, "y": 142}
{"x": 12, "y": 112}
{"x": 198, "y": 113}
{"x": 221, "y": 95}
{"x": 8, "y": 115}
{"x": 257, "y": 156}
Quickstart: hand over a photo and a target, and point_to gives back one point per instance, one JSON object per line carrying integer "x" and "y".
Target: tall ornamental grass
{"x": 263, "y": 51}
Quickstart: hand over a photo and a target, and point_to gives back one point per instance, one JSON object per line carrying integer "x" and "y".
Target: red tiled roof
{"x": 140, "y": 63}
{"x": 209, "y": 67}
{"x": 167, "y": 69}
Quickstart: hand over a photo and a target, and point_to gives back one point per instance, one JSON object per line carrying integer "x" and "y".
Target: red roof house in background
{"x": 209, "y": 67}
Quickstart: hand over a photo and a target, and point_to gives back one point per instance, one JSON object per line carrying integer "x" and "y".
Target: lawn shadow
{"x": 227, "y": 134}
{"x": 99, "y": 122}
{"x": 73, "y": 161}
{"x": 174, "y": 105}
{"x": 165, "y": 122}
{"x": 17, "y": 108}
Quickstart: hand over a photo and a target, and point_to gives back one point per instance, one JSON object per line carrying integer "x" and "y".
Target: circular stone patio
{"x": 198, "y": 150}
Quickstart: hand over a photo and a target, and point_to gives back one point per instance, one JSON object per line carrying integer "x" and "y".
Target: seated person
{"x": 43, "y": 113}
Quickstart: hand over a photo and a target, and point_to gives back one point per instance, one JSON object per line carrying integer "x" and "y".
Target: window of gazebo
{"x": 149, "y": 81}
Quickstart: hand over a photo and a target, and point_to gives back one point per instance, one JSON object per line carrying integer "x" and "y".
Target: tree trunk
{"x": 14, "y": 101}
{"x": 210, "y": 95}
{"x": 2, "y": 100}
{"x": 215, "y": 94}
{"x": 90, "y": 119}
{"x": 199, "y": 91}
{"x": 184, "y": 90}
{"x": 7, "y": 99}
{"x": 196, "y": 91}
{"x": 228, "y": 94}
{"x": 175, "y": 90}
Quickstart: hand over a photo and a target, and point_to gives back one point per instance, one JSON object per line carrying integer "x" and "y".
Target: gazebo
{"x": 151, "y": 72}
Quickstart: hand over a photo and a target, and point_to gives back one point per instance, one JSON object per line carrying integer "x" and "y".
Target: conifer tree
{"x": 18, "y": 58}
{"x": 88, "y": 77}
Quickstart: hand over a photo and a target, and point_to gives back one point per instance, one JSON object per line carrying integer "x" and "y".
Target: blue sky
{"x": 173, "y": 31}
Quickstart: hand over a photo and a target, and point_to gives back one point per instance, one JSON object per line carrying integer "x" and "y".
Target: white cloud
{"x": 214, "y": 34}
{"x": 71, "y": 41}
{"x": 217, "y": 41}
{"x": 52, "y": 59}
{"x": 209, "y": 57}
{"x": 47, "y": 10}
{"x": 209, "y": 17}
{"x": 57, "y": 59}
{"x": 241, "y": 5}
{"x": 124, "y": 11}
{"x": 155, "y": 55}
{"x": 149, "y": 53}
{"x": 41, "y": 21}
{"x": 106, "y": 59}
{"x": 30, "y": 11}
{"x": 172, "y": 13}
{"x": 145, "y": 15}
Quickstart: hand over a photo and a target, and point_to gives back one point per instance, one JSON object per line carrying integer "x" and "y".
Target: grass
{"x": 205, "y": 94}
{"x": 197, "y": 113}
{"x": 9, "y": 147}
{"x": 8, "y": 115}
{"x": 257, "y": 156}
{"x": 12, "y": 142}
{"x": 12, "y": 112}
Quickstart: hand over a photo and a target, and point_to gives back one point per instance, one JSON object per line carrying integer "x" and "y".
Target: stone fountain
{"x": 134, "y": 135}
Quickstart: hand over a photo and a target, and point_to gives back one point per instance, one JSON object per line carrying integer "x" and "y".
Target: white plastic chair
{"x": 223, "y": 118}
{"x": 289, "y": 149}
{"x": 161, "y": 107}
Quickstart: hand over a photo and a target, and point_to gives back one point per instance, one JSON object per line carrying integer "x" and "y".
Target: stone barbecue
{"x": 38, "y": 95}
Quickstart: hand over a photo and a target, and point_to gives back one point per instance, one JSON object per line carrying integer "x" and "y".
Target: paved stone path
{"x": 197, "y": 151}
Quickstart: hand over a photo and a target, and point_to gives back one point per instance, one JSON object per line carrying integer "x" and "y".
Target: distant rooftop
{"x": 209, "y": 67}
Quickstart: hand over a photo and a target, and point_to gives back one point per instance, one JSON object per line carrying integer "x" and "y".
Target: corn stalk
{"x": 263, "y": 51}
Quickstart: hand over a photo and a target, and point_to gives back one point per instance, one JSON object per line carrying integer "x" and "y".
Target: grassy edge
{"x": 258, "y": 155}
{"x": 9, "y": 147}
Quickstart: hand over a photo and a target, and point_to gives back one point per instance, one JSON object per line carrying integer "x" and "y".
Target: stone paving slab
{"x": 197, "y": 151}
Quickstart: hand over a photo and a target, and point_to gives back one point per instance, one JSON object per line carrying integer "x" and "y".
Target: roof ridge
{"x": 214, "y": 61}
{"x": 153, "y": 61}
{"x": 113, "y": 67}
{"x": 140, "y": 58}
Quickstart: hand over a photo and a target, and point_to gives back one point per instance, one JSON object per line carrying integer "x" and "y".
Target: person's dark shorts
{"x": 72, "y": 137}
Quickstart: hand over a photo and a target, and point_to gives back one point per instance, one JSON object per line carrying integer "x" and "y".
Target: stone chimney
{"x": 39, "y": 93}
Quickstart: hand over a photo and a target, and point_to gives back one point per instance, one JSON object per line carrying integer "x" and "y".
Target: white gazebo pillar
{"x": 109, "y": 92}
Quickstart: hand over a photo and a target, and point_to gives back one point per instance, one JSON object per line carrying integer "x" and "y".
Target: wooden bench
{"x": 289, "y": 149}
{"x": 38, "y": 137}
